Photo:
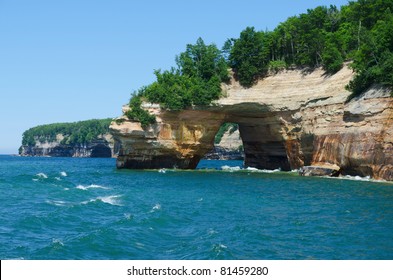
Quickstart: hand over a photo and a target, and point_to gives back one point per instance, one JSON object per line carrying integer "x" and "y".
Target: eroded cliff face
{"x": 288, "y": 120}
{"x": 229, "y": 148}
{"x": 102, "y": 147}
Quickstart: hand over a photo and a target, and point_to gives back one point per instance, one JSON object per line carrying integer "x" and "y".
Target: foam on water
{"x": 359, "y": 178}
{"x": 56, "y": 202}
{"x": 42, "y": 175}
{"x": 356, "y": 178}
{"x": 63, "y": 173}
{"x": 93, "y": 186}
{"x": 156, "y": 207}
{"x": 260, "y": 216}
{"x": 212, "y": 231}
{"x": 249, "y": 169}
{"x": 110, "y": 199}
{"x": 230, "y": 168}
{"x": 253, "y": 169}
{"x": 57, "y": 242}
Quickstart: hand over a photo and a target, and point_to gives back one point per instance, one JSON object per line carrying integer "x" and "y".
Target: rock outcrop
{"x": 229, "y": 148}
{"x": 103, "y": 147}
{"x": 288, "y": 120}
{"x": 326, "y": 169}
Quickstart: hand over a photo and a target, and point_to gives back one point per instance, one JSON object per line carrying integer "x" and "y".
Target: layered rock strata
{"x": 288, "y": 120}
{"x": 103, "y": 147}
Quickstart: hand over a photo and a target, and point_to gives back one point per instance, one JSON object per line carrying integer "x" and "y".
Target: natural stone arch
{"x": 286, "y": 121}
{"x": 181, "y": 139}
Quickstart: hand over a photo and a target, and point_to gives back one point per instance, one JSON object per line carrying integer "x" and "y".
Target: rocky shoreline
{"x": 104, "y": 147}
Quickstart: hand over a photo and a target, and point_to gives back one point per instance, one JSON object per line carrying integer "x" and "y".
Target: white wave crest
{"x": 110, "y": 199}
{"x": 230, "y": 168}
{"x": 163, "y": 170}
{"x": 252, "y": 169}
{"x": 93, "y": 186}
{"x": 42, "y": 175}
{"x": 56, "y": 202}
{"x": 57, "y": 242}
{"x": 156, "y": 207}
{"x": 356, "y": 178}
{"x": 63, "y": 173}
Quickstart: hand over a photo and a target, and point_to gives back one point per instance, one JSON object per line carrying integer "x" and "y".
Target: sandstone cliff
{"x": 230, "y": 147}
{"x": 288, "y": 120}
{"x": 103, "y": 146}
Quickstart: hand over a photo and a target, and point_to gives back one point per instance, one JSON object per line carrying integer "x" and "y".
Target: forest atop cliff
{"x": 81, "y": 132}
{"x": 360, "y": 32}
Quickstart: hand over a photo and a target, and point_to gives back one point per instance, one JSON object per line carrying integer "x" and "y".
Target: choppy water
{"x": 73, "y": 208}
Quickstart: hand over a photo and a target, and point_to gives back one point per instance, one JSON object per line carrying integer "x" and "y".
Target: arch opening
{"x": 259, "y": 143}
{"x": 101, "y": 151}
{"x": 264, "y": 146}
{"x": 228, "y": 144}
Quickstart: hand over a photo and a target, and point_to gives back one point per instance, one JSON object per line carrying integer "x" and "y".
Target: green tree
{"x": 196, "y": 81}
{"x": 249, "y": 56}
{"x": 203, "y": 61}
{"x": 332, "y": 59}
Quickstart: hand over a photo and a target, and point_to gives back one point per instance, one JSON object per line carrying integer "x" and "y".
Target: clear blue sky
{"x": 71, "y": 60}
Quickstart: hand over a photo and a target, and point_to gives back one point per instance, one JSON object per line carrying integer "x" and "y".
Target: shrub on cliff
{"x": 332, "y": 59}
{"x": 139, "y": 114}
{"x": 196, "y": 81}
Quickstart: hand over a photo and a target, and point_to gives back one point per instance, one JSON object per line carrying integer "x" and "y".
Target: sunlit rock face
{"x": 287, "y": 120}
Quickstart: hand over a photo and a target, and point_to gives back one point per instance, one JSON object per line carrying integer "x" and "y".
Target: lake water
{"x": 78, "y": 208}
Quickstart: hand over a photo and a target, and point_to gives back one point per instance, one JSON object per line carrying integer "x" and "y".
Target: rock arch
{"x": 181, "y": 139}
{"x": 286, "y": 121}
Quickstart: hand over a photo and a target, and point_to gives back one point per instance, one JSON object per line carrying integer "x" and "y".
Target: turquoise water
{"x": 74, "y": 208}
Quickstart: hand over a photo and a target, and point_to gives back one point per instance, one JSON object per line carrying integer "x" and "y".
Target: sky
{"x": 72, "y": 60}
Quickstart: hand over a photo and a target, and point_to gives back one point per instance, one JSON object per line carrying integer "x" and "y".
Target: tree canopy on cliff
{"x": 74, "y": 133}
{"x": 196, "y": 81}
{"x": 360, "y": 32}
